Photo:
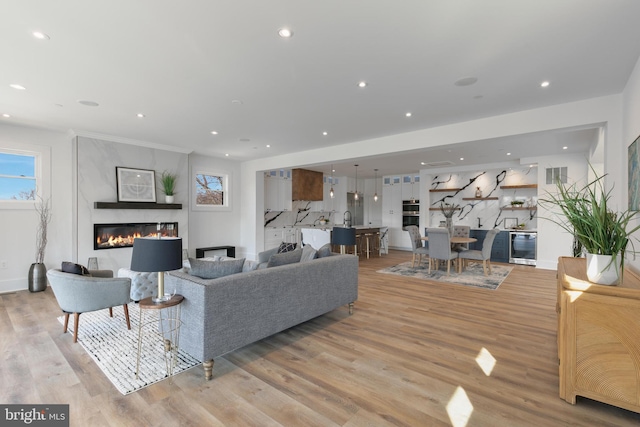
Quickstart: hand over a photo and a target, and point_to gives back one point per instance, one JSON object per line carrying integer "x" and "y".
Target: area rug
{"x": 471, "y": 276}
{"x": 114, "y": 348}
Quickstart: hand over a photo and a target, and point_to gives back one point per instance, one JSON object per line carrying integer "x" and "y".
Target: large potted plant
{"x": 603, "y": 234}
{"x": 38, "y": 271}
{"x": 168, "y": 181}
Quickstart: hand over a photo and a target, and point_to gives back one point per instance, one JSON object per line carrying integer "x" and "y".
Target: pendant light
{"x": 356, "y": 195}
{"x": 375, "y": 195}
{"x": 331, "y": 193}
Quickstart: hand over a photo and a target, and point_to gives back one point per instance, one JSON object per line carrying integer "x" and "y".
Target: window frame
{"x": 226, "y": 189}
{"x": 42, "y": 168}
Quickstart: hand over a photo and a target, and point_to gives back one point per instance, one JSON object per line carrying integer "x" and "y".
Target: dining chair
{"x": 417, "y": 244}
{"x": 484, "y": 255}
{"x": 461, "y": 231}
{"x": 440, "y": 246}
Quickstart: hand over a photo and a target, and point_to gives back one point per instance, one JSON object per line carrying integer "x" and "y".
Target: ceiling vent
{"x": 439, "y": 164}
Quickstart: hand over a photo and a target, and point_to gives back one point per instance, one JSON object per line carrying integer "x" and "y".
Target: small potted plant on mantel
{"x": 168, "y": 181}
{"x": 599, "y": 230}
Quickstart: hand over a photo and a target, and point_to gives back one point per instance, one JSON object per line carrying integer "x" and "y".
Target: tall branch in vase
{"x": 448, "y": 210}
{"x": 43, "y": 210}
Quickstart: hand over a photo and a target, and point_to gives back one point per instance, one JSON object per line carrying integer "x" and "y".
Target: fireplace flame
{"x": 120, "y": 241}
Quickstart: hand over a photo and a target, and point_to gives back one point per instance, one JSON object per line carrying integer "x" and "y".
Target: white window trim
{"x": 42, "y": 172}
{"x": 227, "y": 183}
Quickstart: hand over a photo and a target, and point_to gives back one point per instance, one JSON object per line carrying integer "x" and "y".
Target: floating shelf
{"x": 480, "y": 198}
{"x": 525, "y": 208}
{"x": 135, "y": 205}
{"x": 506, "y": 187}
{"x": 442, "y": 190}
{"x": 438, "y": 209}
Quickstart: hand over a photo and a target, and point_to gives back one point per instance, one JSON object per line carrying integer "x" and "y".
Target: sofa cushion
{"x": 286, "y": 247}
{"x": 215, "y": 269}
{"x": 263, "y": 257}
{"x": 308, "y": 253}
{"x": 70, "y": 267}
{"x": 285, "y": 258}
{"x": 324, "y": 251}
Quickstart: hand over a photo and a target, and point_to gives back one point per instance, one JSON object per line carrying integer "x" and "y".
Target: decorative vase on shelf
{"x": 478, "y": 193}
{"x": 449, "y": 225}
{"x": 37, "y": 277}
{"x": 168, "y": 199}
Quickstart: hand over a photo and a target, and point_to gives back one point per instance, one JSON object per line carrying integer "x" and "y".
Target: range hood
{"x": 306, "y": 185}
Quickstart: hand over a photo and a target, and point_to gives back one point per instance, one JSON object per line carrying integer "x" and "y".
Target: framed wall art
{"x": 634, "y": 175}
{"x": 136, "y": 185}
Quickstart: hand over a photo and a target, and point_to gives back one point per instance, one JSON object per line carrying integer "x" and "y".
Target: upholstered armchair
{"x": 80, "y": 294}
{"x": 417, "y": 244}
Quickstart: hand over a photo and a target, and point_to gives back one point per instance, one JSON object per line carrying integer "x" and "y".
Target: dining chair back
{"x": 417, "y": 244}
{"x": 461, "y": 231}
{"x": 440, "y": 246}
{"x": 485, "y": 254}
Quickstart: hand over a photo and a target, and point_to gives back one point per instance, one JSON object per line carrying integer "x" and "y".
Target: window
{"x": 210, "y": 191}
{"x": 555, "y": 174}
{"x": 17, "y": 176}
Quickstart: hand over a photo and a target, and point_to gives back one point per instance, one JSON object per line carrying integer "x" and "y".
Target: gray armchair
{"x": 440, "y": 246}
{"x": 417, "y": 244}
{"x": 484, "y": 255}
{"x": 80, "y": 294}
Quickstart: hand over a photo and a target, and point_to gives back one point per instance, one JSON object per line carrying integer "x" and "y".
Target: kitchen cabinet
{"x": 598, "y": 337}
{"x": 500, "y": 248}
{"x": 392, "y": 215}
{"x": 277, "y": 190}
{"x": 274, "y": 236}
{"x": 411, "y": 187}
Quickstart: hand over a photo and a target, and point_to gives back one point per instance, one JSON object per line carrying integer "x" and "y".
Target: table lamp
{"x": 344, "y": 237}
{"x": 157, "y": 254}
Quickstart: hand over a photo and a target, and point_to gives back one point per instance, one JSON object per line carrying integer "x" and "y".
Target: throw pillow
{"x": 70, "y": 267}
{"x": 324, "y": 251}
{"x": 308, "y": 253}
{"x": 286, "y": 247}
{"x": 215, "y": 269}
{"x": 285, "y": 258}
{"x": 250, "y": 265}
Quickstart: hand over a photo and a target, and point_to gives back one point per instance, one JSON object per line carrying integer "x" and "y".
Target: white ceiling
{"x": 201, "y": 65}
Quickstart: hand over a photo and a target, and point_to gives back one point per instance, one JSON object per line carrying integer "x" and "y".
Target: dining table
{"x": 457, "y": 240}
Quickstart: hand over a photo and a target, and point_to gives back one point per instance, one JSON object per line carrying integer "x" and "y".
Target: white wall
{"x": 19, "y": 226}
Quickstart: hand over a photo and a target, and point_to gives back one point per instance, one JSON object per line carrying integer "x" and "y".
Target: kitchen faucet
{"x": 347, "y": 219}
{"x": 479, "y": 225}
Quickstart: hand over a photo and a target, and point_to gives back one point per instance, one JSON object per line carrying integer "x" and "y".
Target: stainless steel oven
{"x": 410, "y": 212}
{"x": 522, "y": 247}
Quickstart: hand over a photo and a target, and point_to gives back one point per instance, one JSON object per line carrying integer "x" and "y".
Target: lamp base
{"x": 164, "y": 298}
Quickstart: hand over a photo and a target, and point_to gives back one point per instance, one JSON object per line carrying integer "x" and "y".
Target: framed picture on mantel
{"x": 136, "y": 185}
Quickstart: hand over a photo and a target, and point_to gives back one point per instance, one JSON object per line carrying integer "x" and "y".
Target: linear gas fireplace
{"x": 110, "y": 236}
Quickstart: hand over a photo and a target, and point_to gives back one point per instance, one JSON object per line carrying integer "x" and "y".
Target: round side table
{"x": 168, "y": 328}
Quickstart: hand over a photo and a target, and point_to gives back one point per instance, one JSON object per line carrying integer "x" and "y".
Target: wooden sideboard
{"x": 598, "y": 337}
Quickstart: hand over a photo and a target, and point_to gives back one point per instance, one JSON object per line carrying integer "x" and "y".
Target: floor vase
{"x": 37, "y": 277}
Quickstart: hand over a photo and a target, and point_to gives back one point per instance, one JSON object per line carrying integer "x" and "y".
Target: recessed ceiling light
{"x": 325, "y": 133}
{"x": 40, "y": 35}
{"x": 236, "y": 102}
{"x": 226, "y": 154}
{"x": 140, "y": 115}
{"x": 544, "y": 84}
{"x": 268, "y": 145}
{"x": 362, "y": 84}
{"x": 564, "y": 148}
{"x": 407, "y": 114}
{"x": 422, "y": 163}
{"x": 6, "y": 115}
{"x": 88, "y": 103}
{"x": 508, "y": 154}
{"x": 214, "y": 132}
{"x": 461, "y": 158}
{"x": 17, "y": 86}
{"x": 285, "y": 33}
{"x": 466, "y": 81}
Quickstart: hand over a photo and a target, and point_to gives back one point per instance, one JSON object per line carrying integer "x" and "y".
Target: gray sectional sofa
{"x": 223, "y": 314}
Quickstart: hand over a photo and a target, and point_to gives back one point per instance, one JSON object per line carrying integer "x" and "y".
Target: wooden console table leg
{"x": 208, "y": 369}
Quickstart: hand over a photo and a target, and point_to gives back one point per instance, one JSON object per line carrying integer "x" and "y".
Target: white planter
{"x": 168, "y": 199}
{"x": 601, "y": 270}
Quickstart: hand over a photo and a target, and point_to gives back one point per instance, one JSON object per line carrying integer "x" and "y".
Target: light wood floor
{"x": 407, "y": 357}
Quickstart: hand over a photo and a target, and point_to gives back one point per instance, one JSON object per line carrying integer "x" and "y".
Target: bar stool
{"x": 367, "y": 243}
{"x": 377, "y": 242}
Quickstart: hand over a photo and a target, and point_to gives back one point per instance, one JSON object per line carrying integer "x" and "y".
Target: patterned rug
{"x": 471, "y": 276}
{"x": 115, "y": 348}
